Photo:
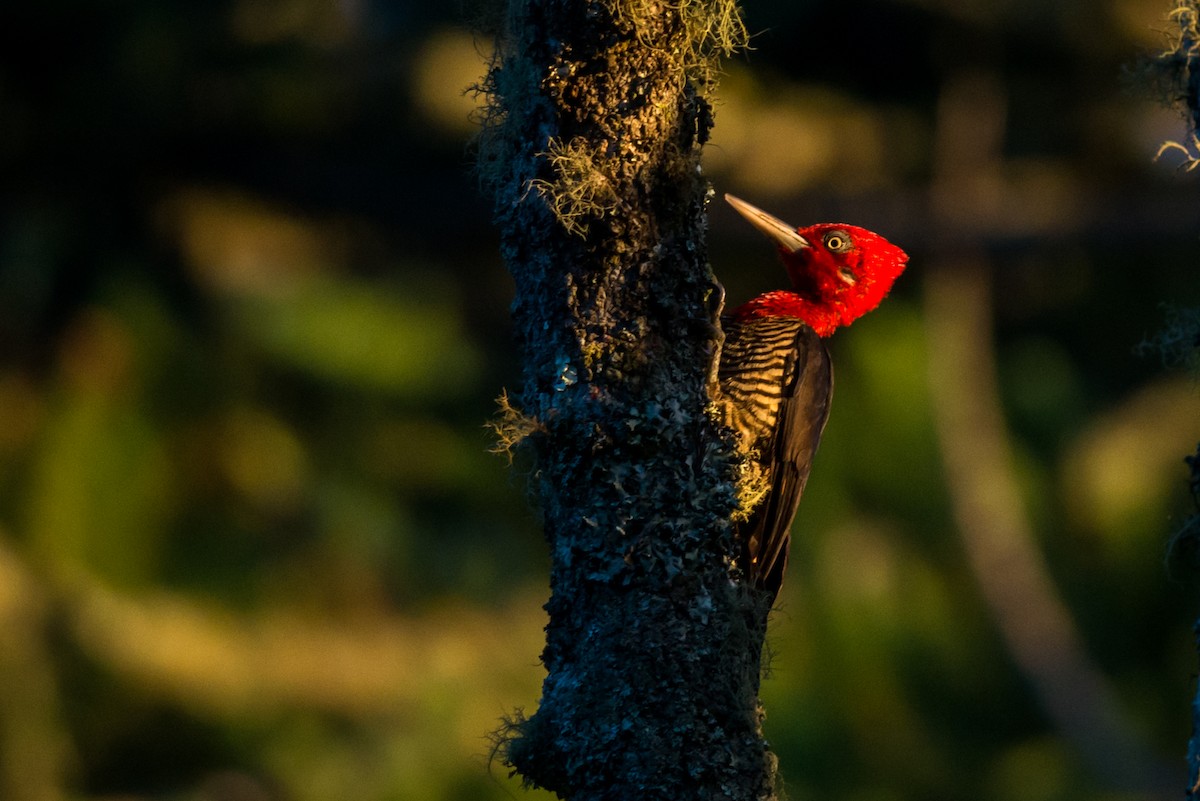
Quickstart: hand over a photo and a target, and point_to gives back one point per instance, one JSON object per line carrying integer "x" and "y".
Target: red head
{"x": 839, "y": 272}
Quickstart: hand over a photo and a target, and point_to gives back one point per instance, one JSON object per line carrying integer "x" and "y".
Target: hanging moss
{"x": 511, "y": 428}
{"x": 1174, "y": 75}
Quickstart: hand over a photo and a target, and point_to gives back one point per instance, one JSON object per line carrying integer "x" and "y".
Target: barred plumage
{"x": 777, "y": 379}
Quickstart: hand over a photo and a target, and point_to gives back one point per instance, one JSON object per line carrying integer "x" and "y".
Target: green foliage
{"x": 408, "y": 345}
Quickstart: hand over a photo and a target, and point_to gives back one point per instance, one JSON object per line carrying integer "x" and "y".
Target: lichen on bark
{"x": 598, "y": 112}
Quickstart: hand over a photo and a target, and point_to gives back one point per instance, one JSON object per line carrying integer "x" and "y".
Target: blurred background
{"x": 253, "y": 322}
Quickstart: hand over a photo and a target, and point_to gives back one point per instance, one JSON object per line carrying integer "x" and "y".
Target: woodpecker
{"x": 775, "y": 373}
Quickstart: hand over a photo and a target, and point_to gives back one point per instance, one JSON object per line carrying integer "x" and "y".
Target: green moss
{"x": 511, "y": 427}
{"x": 593, "y": 354}
{"x": 580, "y": 190}
{"x": 709, "y": 31}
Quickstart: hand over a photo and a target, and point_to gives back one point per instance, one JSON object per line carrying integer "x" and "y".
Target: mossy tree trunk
{"x": 598, "y": 115}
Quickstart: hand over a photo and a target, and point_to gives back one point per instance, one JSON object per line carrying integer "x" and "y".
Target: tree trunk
{"x": 592, "y": 147}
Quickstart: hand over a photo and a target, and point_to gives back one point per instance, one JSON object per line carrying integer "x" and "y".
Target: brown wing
{"x": 777, "y": 374}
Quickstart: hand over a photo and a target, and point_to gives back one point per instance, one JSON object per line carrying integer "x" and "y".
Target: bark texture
{"x": 652, "y": 651}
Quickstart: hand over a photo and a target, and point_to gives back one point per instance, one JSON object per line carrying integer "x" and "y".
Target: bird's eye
{"x": 837, "y": 242}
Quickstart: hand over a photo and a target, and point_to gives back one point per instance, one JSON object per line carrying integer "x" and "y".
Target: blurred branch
{"x": 35, "y": 749}
{"x": 222, "y": 665}
{"x": 997, "y": 535}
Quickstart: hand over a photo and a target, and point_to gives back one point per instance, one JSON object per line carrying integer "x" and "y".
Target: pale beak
{"x": 784, "y": 235}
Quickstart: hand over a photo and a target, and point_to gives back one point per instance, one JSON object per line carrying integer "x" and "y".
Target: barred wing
{"x": 778, "y": 377}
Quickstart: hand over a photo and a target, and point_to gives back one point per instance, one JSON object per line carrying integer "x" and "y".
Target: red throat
{"x": 822, "y": 319}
